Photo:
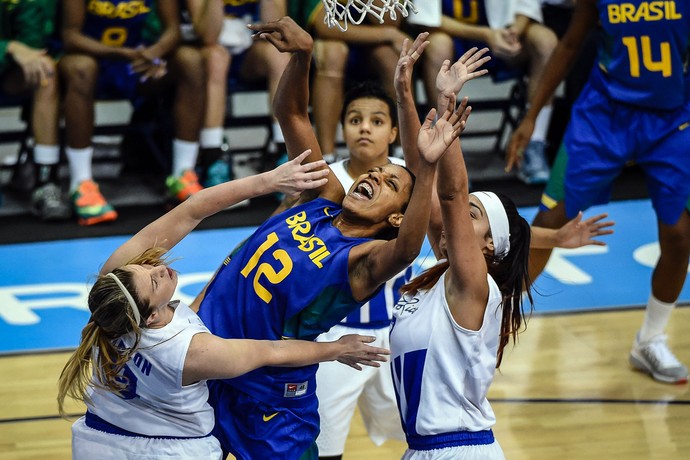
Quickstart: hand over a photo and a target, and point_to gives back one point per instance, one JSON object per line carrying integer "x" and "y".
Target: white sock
{"x": 656, "y": 318}
{"x": 79, "y": 165}
{"x": 211, "y": 138}
{"x": 541, "y": 124}
{"x": 278, "y": 133}
{"x": 46, "y": 154}
{"x": 184, "y": 156}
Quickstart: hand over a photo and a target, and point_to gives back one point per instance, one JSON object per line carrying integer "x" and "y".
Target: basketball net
{"x": 354, "y": 11}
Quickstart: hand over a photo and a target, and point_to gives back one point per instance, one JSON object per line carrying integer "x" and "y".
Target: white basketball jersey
{"x": 441, "y": 371}
{"x": 155, "y": 403}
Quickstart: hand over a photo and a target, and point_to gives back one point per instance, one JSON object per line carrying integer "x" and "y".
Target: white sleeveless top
{"x": 155, "y": 402}
{"x": 441, "y": 371}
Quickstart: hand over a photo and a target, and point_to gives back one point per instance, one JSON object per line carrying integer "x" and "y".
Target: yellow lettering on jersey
{"x": 310, "y": 243}
{"x": 125, "y": 10}
{"x": 644, "y": 12}
{"x": 459, "y": 14}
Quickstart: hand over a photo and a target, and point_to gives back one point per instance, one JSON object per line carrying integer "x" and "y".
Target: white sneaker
{"x": 656, "y": 359}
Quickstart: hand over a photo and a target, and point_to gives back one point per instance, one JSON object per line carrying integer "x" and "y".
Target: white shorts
{"x": 340, "y": 389}
{"x": 89, "y": 444}
{"x": 479, "y": 452}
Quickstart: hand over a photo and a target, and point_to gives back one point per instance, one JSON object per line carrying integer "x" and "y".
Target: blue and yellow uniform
{"x": 474, "y": 12}
{"x": 118, "y": 23}
{"x": 288, "y": 280}
{"x": 634, "y": 108}
{"x": 241, "y": 8}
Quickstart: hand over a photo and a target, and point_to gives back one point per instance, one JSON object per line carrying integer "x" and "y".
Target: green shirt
{"x": 304, "y": 12}
{"x": 23, "y": 21}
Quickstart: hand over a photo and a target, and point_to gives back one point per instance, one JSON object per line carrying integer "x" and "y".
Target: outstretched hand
{"x": 434, "y": 138}
{"x": 577, "y": 232}
{"x": 284, "y": 34}
{"x": 451, "y": 78}
{"x": 357, "y": 353}
{"x": 408, "y": 57}
{"x": 293, "y": 177}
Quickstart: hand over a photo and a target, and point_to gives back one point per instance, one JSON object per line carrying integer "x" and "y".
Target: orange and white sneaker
{"x": 184, "y": 186}
{"x": 90, "y": 206}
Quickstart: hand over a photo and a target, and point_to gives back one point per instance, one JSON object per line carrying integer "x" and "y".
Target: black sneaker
{"x": 48, "y": 203}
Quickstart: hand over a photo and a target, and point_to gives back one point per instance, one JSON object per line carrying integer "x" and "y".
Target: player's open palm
{"x": 356, "y": 353}
{"x": 434, "y": 138}
{"x": 293, "y": 177}
{"x": 451, "y": 78}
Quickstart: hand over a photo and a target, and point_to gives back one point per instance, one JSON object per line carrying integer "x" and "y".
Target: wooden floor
{"x": 565, "y": 392}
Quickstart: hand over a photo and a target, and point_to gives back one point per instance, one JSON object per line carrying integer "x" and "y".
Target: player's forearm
{"x": 212, "y": 200}
{"x": 465, "y": 31}
{"x": 295, "y": 353}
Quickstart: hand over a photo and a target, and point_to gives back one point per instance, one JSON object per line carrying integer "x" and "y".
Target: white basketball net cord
{"x": 355, "y": 11}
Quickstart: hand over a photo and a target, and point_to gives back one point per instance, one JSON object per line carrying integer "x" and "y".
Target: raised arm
{"x": 449, "y": 82}
{"x": 168, "y": 230}
{"x": 291, "y": 101}
{"x": 211, "y": 357}
{"x": 466, "y": 279}
{"x": 564, "y": 55}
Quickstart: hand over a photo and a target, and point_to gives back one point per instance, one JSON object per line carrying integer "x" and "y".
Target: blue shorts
{"x": 251, "y": 429}
{"x": 604, "y": 136}
{"x": 116, "y": 80}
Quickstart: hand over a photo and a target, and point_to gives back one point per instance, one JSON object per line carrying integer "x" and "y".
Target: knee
{"x": 217, "y": 63}
{"x": 541, "y": 41}
{"x": 79, "y": 73}
{"x": 330, "y": 57}
{"x": 674, "y": 240}
{"x": 439, "y": 49}
{"x": 188, "y": 65}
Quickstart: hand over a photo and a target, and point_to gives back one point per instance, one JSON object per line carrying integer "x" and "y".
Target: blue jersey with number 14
{"x": 643, "y": 53}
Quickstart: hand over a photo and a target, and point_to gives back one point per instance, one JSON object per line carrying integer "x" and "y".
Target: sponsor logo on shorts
{"x": 683, "y": 126}
{"x": 293, "y": 390}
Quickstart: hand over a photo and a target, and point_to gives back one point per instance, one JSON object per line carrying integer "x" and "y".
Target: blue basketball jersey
{"x": 643, "y": 52}
{"x": 117, "y": 22}
{"x": 466, "y": 11}
{"x": 288, "y": 280}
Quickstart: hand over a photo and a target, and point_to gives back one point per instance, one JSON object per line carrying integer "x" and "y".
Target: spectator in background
{"x": 375, "y": 47}
{"x": 557, "y": 16}
{"x": 228, "y": 47}
{"x": 516, "y": 38}
{"x": 26, "y": 68}
{"x": 106, "y": 52}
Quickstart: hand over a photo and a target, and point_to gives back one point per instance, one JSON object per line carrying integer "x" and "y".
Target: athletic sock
{"x": 79, "y": 165}
{"x": 47, "y": 158}
{"x": 656, "y": 318}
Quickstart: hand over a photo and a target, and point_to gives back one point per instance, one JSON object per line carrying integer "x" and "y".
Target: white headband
{"x": 498, "y": 222}
{"x": 130, "y": 299}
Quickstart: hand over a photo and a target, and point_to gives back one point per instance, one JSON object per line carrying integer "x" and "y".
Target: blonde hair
{"x": 98, "y": 359}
